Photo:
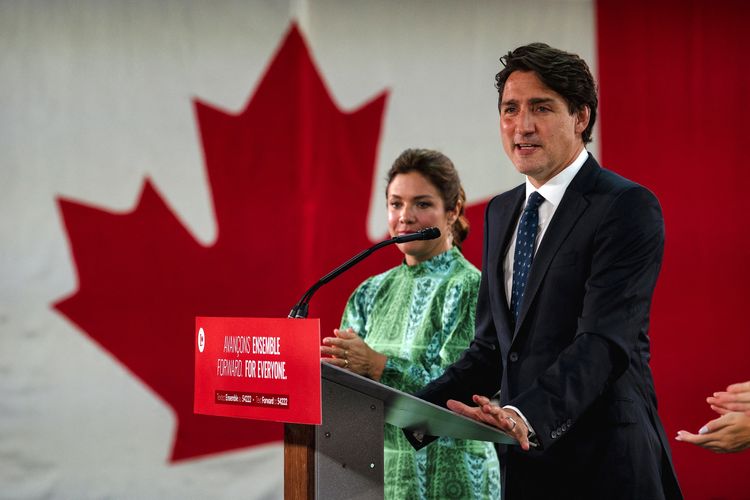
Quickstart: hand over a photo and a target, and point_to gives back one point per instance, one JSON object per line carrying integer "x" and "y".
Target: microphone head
{"x": 428, "y": 233}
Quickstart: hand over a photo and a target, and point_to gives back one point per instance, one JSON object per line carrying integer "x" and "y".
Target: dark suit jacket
{"x": 576, "y": 362}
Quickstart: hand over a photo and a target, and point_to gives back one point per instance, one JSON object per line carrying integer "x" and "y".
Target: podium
{"x": 343, "y": 457}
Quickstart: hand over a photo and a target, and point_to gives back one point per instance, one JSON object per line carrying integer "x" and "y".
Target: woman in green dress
{"x": 405, "y": 326}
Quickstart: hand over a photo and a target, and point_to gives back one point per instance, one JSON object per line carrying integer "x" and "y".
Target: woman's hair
{"x": 438, "y": 169}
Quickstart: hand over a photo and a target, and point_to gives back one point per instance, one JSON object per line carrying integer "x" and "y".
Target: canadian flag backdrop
{"x": 164, "y": 160}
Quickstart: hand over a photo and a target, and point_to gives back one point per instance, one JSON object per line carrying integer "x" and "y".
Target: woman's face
{"x": 414, "y": 203}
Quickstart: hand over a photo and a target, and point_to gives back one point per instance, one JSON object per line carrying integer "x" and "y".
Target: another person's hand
{"x": 735, "y": 398}
{"x": 349, "y": 351}
{"x": 506, "y": 420}
{"x": 729, "y": 433}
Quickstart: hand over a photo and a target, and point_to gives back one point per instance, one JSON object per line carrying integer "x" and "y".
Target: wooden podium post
{"x": 299, "y": 461}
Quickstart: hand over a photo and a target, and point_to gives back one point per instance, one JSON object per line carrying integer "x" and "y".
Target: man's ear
{"x": 583, "y": 116}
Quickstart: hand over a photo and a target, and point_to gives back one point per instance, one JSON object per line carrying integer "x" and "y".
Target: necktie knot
{"x": 535, "y": 199}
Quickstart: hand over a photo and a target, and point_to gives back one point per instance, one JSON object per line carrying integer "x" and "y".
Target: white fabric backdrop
{"x": 97, "y": 95}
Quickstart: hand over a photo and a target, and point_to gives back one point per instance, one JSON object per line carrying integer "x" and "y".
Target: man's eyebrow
{"x": 540, "y": 100}
{"x": 533, "y": 100}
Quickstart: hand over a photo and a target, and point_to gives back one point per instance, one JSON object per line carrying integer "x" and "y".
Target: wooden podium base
{"x": 299, "y": 461}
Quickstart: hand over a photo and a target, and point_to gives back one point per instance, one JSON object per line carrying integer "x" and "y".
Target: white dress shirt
{"x": 552, "y": 191}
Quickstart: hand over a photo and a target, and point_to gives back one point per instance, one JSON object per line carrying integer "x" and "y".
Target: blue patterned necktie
{"x": 524, "y": 254}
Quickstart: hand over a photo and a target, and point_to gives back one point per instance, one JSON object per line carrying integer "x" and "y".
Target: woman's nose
{"x": 406, "y": 215}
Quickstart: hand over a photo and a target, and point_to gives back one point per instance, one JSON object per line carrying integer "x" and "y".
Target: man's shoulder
{"x": 613, "y": 194}
{"x": 599, "y": 180}
{"x": 611, "y": 180}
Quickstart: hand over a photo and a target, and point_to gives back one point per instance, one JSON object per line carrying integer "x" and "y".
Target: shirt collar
{"x": 554, "y": 189}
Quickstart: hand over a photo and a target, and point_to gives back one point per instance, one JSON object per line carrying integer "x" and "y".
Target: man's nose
{"x": 524, "y": 122}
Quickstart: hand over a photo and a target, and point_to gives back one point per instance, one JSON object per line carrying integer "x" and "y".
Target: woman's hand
{"x": 349, "y": 351}
{"x": 735, "y": 398}
{"x": 729, "y": 433}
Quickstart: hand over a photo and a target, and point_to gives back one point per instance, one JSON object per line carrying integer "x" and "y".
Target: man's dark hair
{"x": 565, "y": 73}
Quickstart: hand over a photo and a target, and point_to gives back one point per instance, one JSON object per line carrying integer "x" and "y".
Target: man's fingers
{"x": 514, "y": 426}
{"x": 461, "y": 409}
{"x": 523, "y": 440}
{"x": 475, "y": 412}
{"x": 493, "y": 415}
{"x": 480, "y": 400}
{"x": 491, "y": 409}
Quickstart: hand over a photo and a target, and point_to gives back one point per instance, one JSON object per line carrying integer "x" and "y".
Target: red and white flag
{"x": 166, "y": 160}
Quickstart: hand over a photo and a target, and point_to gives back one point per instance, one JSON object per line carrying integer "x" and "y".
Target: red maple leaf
{"x": 290, "y": 178}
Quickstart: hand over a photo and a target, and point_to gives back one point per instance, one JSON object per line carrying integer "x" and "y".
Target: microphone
{"x": 300, "y": 308}
{"x": 429, "y": 233}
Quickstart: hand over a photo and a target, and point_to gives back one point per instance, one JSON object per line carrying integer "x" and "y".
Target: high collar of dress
{"x": 434, "y": 264}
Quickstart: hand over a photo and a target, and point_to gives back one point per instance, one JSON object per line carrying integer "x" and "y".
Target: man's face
{"x": 539, "y": 134}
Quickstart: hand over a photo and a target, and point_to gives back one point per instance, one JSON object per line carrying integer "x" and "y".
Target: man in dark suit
{"x": 570, "y": 262}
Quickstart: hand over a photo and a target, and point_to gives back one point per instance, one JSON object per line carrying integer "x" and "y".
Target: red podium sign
{"x": 259, "y": 368}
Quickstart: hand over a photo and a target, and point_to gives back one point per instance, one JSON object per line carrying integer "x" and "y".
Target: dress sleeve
{"x": 358, "y": 308}
{"x": 456, "y": 320}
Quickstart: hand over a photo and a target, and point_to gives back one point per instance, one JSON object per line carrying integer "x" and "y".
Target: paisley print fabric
{"x": 422, "y": 318}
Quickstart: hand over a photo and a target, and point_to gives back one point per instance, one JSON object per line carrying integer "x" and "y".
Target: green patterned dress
{"x": 422, "y": 318}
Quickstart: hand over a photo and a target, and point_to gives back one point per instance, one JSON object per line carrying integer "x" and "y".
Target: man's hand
{"x": 506, "y": 420}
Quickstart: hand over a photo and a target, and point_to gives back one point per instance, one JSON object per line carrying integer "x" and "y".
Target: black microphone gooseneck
{"x": 300, "y": 308}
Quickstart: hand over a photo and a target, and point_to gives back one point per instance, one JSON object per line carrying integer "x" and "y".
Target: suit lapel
{"x": 508, "y": 212}
{"x": 572, "y": 206}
